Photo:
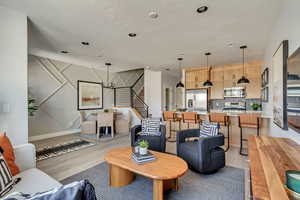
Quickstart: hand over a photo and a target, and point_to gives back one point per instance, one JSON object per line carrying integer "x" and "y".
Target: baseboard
{"x": 51, "y": 135}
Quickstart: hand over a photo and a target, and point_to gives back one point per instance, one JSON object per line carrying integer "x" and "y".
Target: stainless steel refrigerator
{"x": 197, "y": 100}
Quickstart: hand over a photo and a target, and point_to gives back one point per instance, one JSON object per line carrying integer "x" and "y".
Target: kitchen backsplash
{"x": 218, "y": 104}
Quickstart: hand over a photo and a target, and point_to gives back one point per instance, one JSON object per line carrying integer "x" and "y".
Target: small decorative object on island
{"x": 255, "y": 106}
{"x": 143, "y": 147}
{"x": 32, "y": 108}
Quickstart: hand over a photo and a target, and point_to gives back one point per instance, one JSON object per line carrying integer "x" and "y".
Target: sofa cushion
{"x": 209, "y": 129}
{"x": 8, "y": 153}
{"x": 33, "y": 181}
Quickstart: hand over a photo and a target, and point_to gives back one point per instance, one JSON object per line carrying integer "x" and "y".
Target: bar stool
{"x": 171, "y": 116}
{"x": 191, "y": 118}
{"x": 248, "y": 121}
{"x": 223, "y": 120}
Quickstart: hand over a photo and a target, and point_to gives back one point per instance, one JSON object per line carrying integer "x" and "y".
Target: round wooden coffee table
{"x": 164, "y": 171}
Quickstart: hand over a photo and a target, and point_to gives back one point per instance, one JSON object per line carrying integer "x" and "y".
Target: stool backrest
{"x": 249, "y": 119}
{"x": 169, "y": 115}
{"x": 190, "y": 117}
{"x": 220, "y": 118}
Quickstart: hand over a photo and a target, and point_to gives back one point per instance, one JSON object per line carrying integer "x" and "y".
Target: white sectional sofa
{"x": 32, "y": 179}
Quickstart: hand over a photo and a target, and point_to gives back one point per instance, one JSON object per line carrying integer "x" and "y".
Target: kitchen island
{"x": 233, "y": 125}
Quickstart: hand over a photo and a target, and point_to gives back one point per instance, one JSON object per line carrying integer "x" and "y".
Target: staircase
{"x": 132, "y": 96}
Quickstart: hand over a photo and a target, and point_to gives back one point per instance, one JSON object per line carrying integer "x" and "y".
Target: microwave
{"x": 238, "y": 92}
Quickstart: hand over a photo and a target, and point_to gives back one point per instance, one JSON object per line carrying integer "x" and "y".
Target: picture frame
{"x": 89, "y": 95}
{"x": 265, "y": 77}
{"x": 265, "y": 94}
{"x": 279, "y": 62}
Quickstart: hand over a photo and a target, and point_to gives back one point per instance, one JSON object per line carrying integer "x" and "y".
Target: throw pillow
{"x": 151, "y": 127}
{"x": 209, "y": 129}
{"x": 8, "y": 153}
{"x": 6, "y": 179}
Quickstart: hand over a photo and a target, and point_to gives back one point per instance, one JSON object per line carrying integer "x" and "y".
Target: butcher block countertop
{"x": 270, "y": 158}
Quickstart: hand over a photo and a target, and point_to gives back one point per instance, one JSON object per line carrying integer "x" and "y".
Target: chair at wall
{"x": 251, "y": 121}
{"x": 191, "y": 118}
{"x": 122, "y": 122}
{"x": 171, "y": 117}
{"x": 105, "y": 119}
{"x": 223, "y": 120}
{"x": 87, "y": 126}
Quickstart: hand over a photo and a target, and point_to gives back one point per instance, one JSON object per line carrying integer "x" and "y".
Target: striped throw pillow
{"x": 209, "y": 129}
{"x": 6, "y": 179}
{"x": 151, "y": 127}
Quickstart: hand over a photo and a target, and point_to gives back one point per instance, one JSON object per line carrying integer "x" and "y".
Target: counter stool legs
{"x": 170, "y": 139}
{"x": 228, "y": 139}
{"x": 241, "y": 143}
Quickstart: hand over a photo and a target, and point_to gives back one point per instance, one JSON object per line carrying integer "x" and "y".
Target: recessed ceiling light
{"x": 153, "y": 14}
{"x": 64, "y": 52}
{"x": 168, "y": 69}
{"x": 132, "y": 34}
{"x": 85, "y": 43}
{"x": 202, "y": 9}
{"x": 147, "y": 67}
{"x": 230, "y": 45}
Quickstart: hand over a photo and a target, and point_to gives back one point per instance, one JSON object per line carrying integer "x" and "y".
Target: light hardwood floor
{"x": 72, "y": 163}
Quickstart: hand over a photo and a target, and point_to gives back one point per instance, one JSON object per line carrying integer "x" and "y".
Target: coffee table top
{"x": 165, "y": 166}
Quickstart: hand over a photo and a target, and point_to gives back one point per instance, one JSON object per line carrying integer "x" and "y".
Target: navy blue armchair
{"x": 204, "y": 154}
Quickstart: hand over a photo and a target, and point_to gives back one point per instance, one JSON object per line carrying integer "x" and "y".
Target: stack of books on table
{"x": 140, "y": 159}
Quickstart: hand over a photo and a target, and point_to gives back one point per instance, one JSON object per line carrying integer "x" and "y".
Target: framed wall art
{"x": 265, "y": 78}
{"x": 89, "y": 95}
{"x": 279, "y": 62}
{"x": 265, "y": 94}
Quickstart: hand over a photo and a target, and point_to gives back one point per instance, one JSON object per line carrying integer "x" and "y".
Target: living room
{"x": 149, "y": 100}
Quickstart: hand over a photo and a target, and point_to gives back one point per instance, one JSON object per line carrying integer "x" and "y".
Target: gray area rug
{"x": 227, "y": 184}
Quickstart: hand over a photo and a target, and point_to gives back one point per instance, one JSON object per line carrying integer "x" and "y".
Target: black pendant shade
{"x": 179, "y": 84}
{"x": 208, "y": 83}
{"x": 243, "y": 80}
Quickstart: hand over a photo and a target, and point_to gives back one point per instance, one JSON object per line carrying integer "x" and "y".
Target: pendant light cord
{"x": 243, "y": 61}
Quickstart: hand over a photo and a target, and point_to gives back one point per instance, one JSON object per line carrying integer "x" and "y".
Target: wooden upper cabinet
{"x": 217, "y": 74}
{"x": 217, "y": 90}
{"x": 253, "y": 89}
{"x": 195, "y": 78}
{"x": 233, "y": 72}
{"x": 253, "y": 69}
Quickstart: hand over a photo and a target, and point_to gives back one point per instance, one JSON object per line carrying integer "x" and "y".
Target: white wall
{"x": 169, "y": 81}
{"x": 286, "y": 28}
{"x": 13, "y": 75}
{"x": 153, "y": 92}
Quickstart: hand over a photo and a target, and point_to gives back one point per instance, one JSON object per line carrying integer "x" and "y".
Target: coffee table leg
{"x": 171, "y": 184}
{"x": 119, "y": 177}
{"x": 158, "y": 189}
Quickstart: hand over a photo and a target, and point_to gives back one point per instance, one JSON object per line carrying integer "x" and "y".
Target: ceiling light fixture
{"x": 202, "y": 9}
{"x": 208, "y": 83}
{"x": 85, "y": 43}
{"x": 153, "y": 14}
{"x": 132, "y": 34}
{"x": 179, "y": 84}
{"x": 243, "y": 80}
{"x": 108, "y": 84}
{"x": 65, "y": 52}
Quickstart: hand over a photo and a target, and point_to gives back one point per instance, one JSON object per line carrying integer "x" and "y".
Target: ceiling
{"x": 57, "y": 25}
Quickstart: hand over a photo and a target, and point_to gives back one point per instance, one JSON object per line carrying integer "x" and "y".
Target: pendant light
{"x": 179, "y": 84}
{"x": 208, "y": 83}
{"x": 243, "y": 80}
{"x": 108, "y": 84}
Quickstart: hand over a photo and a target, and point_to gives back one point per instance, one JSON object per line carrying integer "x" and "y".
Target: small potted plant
{"x": 143, "y": 147}
{"x": 255, "y": 106}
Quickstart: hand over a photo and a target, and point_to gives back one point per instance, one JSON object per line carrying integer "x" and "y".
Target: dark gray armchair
{"x": 156, "y": 143}
{"x": 205, "y": 154}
